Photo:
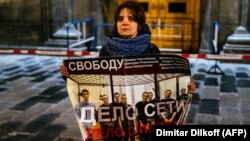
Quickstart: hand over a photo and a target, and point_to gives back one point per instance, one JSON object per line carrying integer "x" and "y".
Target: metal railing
{"x": 97, "y": 26}
{"x": 75, "y": 32}
{"x": 177, "y": 36}
{"x": 81, "y": 26}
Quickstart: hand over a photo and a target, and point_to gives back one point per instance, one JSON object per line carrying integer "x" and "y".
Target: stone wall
{"x": 33, "y": 22}
{"x": 20, "y": 21}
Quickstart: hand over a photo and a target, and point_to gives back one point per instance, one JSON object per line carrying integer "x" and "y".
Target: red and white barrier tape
{"x": 218, "y": 56}
{"x": 46, "y": 52}
{"x": 86, "y": 53}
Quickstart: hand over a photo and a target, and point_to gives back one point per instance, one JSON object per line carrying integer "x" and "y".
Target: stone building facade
{"x": 33, "y": 22}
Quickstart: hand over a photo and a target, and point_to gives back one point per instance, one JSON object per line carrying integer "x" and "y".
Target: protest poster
{"x": 152, "y": 89}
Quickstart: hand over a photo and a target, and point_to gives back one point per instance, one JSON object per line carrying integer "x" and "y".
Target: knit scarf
{"x": 135, "y": 46}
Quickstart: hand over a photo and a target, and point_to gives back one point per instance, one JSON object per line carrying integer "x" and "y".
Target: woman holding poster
{"x": 131, "y": 36}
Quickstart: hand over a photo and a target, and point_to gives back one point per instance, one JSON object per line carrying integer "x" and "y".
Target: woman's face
{"x": 126, "y": 25}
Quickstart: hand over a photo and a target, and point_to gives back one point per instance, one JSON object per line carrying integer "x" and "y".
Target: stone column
{"x": 244, "y": 11}
{"x": 239, "y": 41}
{"x": 68, "y": 30}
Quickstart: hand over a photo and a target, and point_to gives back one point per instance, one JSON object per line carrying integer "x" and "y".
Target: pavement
{"x": 34, "y": 104}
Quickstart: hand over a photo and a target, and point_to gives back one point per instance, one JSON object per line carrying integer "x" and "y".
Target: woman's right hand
{"x": 64, "y": 70}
